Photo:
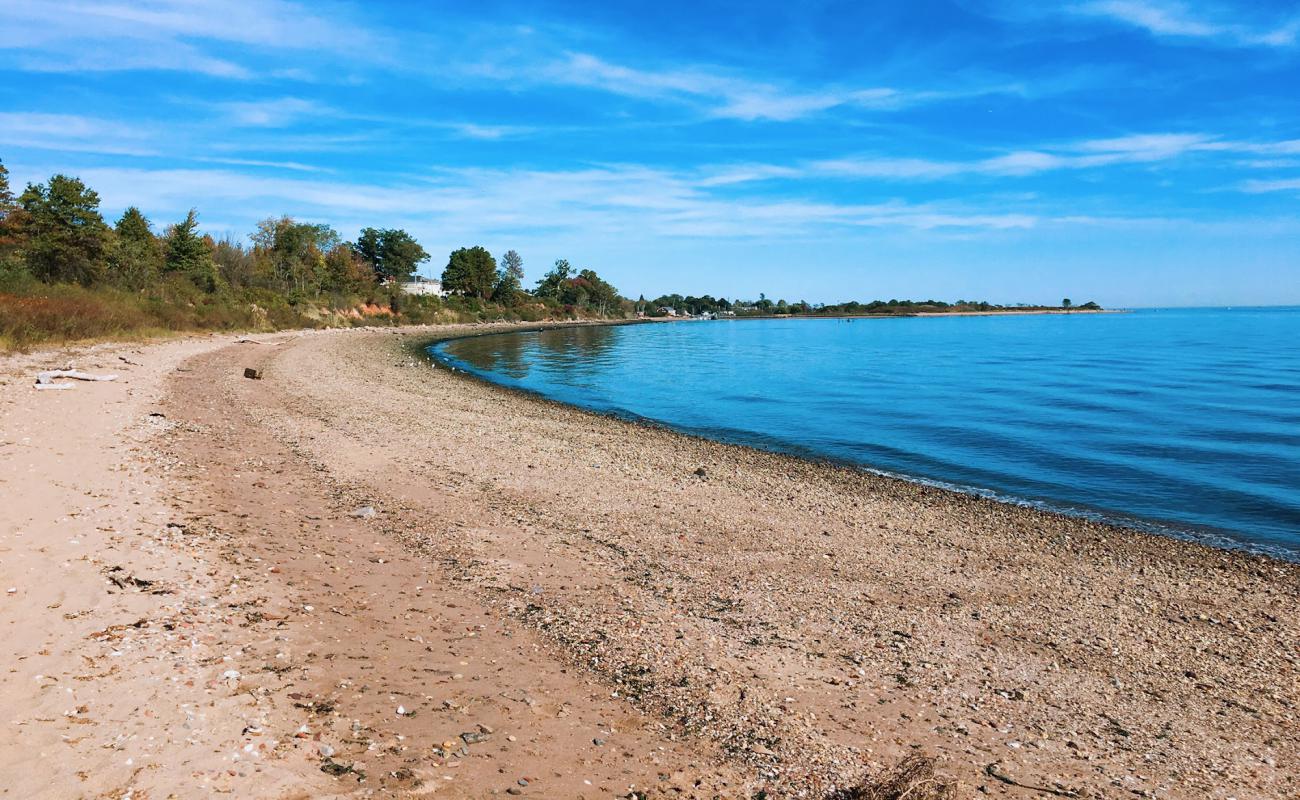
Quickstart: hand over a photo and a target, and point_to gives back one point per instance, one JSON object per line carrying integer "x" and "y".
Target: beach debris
{"x": 701, "y": 472}
{"x": 364, "y": 512}
{"x": 994, "y": 772}
{"x": 331, "y": 767}
{"x": 913, "y": 778}
{"x": 252, "y": 374}
{"x": 402, "y": 712}
{"x": 119, "y": 577}
{"x": 474, "y": 737}
{"x": 45, "y": 379}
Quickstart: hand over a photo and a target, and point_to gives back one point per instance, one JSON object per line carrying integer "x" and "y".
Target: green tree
{"x": 64, "y": 237}
{"x": 552, "y": 282}
{"x": 1066, "y": 304}
{"x": 369, "y": 248}
{"x": 8, "y": 209}
{"x": 471, "y": 271}
{"x": 187, "y": 253}
{"x": 294, "y": 252}
{"x": 137, "y": 255}
{"x": 10, "y": 226}
{"x": 509, "y": 279}
{"x": 393, "y": 254}
{"x": 235, "y": 264}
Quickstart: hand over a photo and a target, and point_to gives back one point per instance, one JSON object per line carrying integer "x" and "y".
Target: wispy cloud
{"x": 173, "y": 35}
{"x": 73, "y": 133}
{"x": 274, "y": 113}
{"x": 628, "y": 202}
{"x": 1087, "y": 154}
{"x": 1168, "y": 18}
{"x": 727, "y": 96}
{"x": 1264, "y": 186}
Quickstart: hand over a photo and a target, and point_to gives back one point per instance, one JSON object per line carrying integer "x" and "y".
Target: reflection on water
{"x": 578, "y": 351}
{"x": 1182, "y": 418}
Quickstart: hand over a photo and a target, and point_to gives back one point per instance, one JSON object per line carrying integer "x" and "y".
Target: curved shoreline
{"x": 623, "y": 606}
{"x": 1214, "y": 539}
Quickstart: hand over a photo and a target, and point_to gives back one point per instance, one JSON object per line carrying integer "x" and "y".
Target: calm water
{"x": 1187, "y": 421}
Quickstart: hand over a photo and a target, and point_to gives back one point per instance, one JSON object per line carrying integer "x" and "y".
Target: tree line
{"x": 764, "y": 306}
{"x": 54, "y": 233}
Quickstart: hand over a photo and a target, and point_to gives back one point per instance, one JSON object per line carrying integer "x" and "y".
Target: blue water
{"x": 1184, "y": 421}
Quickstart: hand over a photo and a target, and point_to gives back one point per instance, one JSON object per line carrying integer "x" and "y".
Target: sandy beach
{"x": 365, "y": 576}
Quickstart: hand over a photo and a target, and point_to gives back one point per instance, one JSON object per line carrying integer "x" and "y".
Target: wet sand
{"x": 567, "y": 605}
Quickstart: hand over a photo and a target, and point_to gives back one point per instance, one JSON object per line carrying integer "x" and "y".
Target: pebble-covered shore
{"x": 815, "y": 624}
{"x": 416, "y": 583}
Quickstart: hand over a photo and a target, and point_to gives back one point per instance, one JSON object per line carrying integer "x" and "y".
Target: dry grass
{"x": 62, "y": 317}
{"x": 912, "y": 779}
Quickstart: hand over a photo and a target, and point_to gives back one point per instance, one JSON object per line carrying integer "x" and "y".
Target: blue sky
{"x": 1135, "y": 152}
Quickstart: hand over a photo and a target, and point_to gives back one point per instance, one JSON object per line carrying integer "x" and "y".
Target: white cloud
{"x": 1263, "y": 186}
{"x": 1167, "y": 18}
{"x": 1086, "y": 154}
{"x": 722, "y": 95}
{"x": 71, "y": 36}
{"x": 273, "y": 113}
{"x": 73, "y": 133}
{"x": 620, "y": 203}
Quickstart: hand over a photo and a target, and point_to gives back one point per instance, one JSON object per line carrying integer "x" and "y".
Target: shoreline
{"x": 603, "y": 607}
{"x": 1216, "y": 540}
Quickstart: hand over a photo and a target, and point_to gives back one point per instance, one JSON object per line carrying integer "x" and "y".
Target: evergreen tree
{"x": 6, "y": 195}
{"x": 509, "y": 279}
{"x": 471, "y": 271}
{"x": 137, "y": 255}
{"x": 65, "y": 238}
{"x": 188, "y": 253}
{"x": 10, "y": 214}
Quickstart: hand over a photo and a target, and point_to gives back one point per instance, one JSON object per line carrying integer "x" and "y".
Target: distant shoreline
{"x": 999, "y": 313}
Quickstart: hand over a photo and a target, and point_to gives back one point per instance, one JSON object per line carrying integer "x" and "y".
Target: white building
{"x": 425, "y": 286}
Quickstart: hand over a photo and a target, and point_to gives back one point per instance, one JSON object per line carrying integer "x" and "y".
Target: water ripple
{"x": 1183, "y": 421}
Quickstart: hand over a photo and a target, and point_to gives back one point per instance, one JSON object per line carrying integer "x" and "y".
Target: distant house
{"x": 424, "y": 286}
{"x": 668, "y": 311}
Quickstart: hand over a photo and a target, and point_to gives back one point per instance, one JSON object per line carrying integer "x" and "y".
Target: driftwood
{"x": 45, "y": 380}
{"x": 993, "y": 772}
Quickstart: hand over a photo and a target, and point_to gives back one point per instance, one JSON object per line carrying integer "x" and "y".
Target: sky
{"x": 1131, "y": 152}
